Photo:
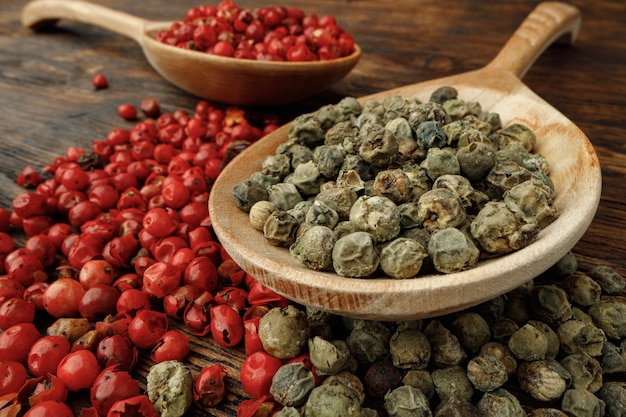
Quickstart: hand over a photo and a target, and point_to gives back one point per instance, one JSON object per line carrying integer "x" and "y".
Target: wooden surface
{"x": 47, "y": 102}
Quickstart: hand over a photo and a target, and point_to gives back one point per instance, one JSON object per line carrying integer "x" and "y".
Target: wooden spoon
{"x": 575, "y": 171}
{"x": 219, "y": 79}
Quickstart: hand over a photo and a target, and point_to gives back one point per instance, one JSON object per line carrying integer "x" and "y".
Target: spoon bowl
{"x": 575, "y": 172}
{"x": 219, "y": 79}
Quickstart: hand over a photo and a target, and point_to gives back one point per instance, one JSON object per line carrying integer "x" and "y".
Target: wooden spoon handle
{"x": 41, "y": 13}
{"x": 548, "y": 22}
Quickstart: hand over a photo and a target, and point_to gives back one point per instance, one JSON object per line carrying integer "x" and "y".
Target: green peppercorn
{"x": 369, "y": 341}
{"x": 402, "y": 258}
{"x": 422, "y": 380}
{"x": 500, "y": 403}
{"x": 486, "y": 372}
{"x": 456, "y": 407}
{"x": 582, "y": 403}
{"x": 355, "y": 255}
{"x": 306, "y": 130}
{"x": 278, "y": 165}
{"x": 528, "y": 343}
{"x": 406, "y": 401}
{"x": 585, "y": 371}
{"x": 550, "y": 304}
{"x": 476, "y": 160}
{"x": 292, "y": 384}
{"x": 452, "y": 251}
{"x": 613, "y": 394}
{"x": 393, "y": 184}
{"x": 284, "y": 331}
{"x": 452, "y": 382}
{"x": 518, "y": 133}
{"x": 499, "y": 230}
{"x": 445, "y": 347}
{"x": 545, "y": 380}
{"x": 248, "y": 192}
{"x": 314, "y": 248}
{"x": 502, "y": 354}
{"x": 169, "y": 387}
{"x": 471, "y": 330}
{"x": 579, "y": 336}
{"x": 379, "y": 147}
{"x": 376, "y": 215}
{"x": 280, "y": 228}
{"x": 333, "y": 399}
{"x": 409, "y": 349}
{"x": 609, "y": 314}
{"x": 610, "y": 280}
{"x": 328, "y": 357}
{"x": 442, "y": 94}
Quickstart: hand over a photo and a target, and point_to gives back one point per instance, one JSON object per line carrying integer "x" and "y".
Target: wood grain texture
{"x": 47, "y": 102}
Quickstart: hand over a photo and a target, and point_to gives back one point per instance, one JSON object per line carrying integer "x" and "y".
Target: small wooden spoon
{"x": 219, "y": 79}
{"x": 575, "y": 171}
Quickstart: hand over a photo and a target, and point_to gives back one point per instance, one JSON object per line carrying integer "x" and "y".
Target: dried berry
{"x": 445, "y": 347}
{"x": 472, "y": 331}
{"x": 528, "y": 343}
{"x": 614, "y": 396}
{"x": 406, "y": 401}
{"x": 409, "y": 349}
{"x": 455, "y": 407}
{"x": 545, "y": 380}
{"x": 284, "y": 331}
{"x": 609, "y": 314}
{"x": 550, "y": 304}
{"x": 402, "y": 258}
{"x": 292, "y": 384}
{"x": 314, "y": 248}
{"x": 585, "y": 371}
{"x": 328, "y": 357}
{"x": 452, "y": 251}
{"x": 369, "y": 341}
{"x": 422, "y": 380}
{"x": 333, "y": 399}
{"x": 500, "y": 403}
{"x": 582, "y": 403}
{"x": 380, "y": 378}
{"x": 170, "y": 388}
{"x": 280, "y": 228}
{"x": 376, "y": 215}
{"x": 610, "y": 280}
{"x": 355, "y": 255}
{"x": 259, "y": 213}
{"x": 486, "y": 372}
{"x": 579, "y": 336}
{"x": 452, "y": 382}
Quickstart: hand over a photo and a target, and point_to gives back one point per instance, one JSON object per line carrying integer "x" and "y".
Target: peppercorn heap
{"x": 117, "y": 247}
{"x": 553, "y": 347}
{"x": 266, "y": 34}
{"x": 401, "y": 187}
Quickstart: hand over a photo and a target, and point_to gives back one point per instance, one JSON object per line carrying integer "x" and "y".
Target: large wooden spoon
{"x": 219, "y": 79}
{"x": 575, "y": 172}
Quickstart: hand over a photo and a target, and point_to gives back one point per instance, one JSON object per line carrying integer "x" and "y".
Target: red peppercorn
{"x": 127, "y": 111}
{"x": 99, "y": 82}
{"x": 150, "y": 108}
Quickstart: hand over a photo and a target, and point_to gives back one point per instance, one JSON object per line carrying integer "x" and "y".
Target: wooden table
{"x": 47, "y": 102}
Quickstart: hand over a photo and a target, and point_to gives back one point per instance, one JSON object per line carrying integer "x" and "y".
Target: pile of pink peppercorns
{"x": 271, "y": 33}
{"x": 106, "y": 247}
